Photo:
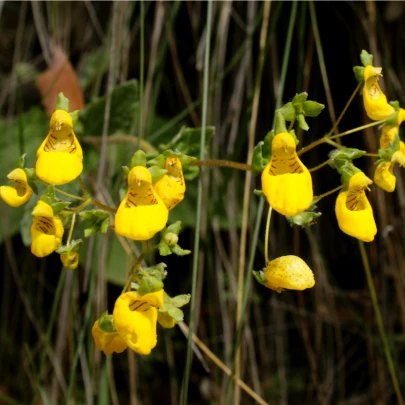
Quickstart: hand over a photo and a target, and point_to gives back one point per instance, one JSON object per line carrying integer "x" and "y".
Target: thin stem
{"x": 72, "y": 225}
{"x": 76, "y": 197}
{"x": 83, "y": 187}
{"x": 371, "y": 154}
{"x": 103, "y": 206}
{"x": 372, "y": 124}
{"x": 380, "y": 323}
{"x": 291, "y": 125}
{"x": 222, "y": 163}
{"x": 332, "y": 143}
{"x": 80, "y": 207}
{"x": 319, "y": 166}
{"x": 319, "y": 197}
{"x": 344, "y": 110}
{"x": 220, "y": 364}
{"x": 196, "y": 249}
{"x": 266, "y": 236}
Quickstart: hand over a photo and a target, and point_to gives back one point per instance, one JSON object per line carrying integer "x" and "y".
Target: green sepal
{"x": 259, "y": 276}
{"x": 312, "y": 108}
{"x": 30, "y": 172}
{"x": 173, "y": 305}
{"x": 106, "y": 323}
{"x": 33, "y": 186}
{"x": 301, "y": 122}
{"x": 306, "y": 218}
{"x": 62, "y": 103}
{"x": 126, "y": 170}
{"x": 175, "y": 228}
{"x": 366, "y": 58}
{"x": 149, "y": 284}
{"x": 180, "y": 300}
{"x": 393, "y": 120}
{"x": 58, "y": 206}
{"x": 99, "y": 221}
{"x": 74, "y": 246}
{"x": 176, "y": 313}
{"x": 280, "y": 123}
{"x": 191, "y": 173}
{"x": 165, "y": 248}
{"x": 75, "y": 117}
{"x": 288, "y": 111}
{"x": 339, "y": 157}
{"x": 385, "y": 155}
{"x": 21, "y": 161}
{"x": 138, "y": 159}
{"x": 156, "y": 173}
{"x": 347, "y": 170}
{"x": 185, "y": 160}
{"x": 359, "y": 73}
{"x": 158, "y": 271}
{"x": 158, "y": 161}
{"x": 262, "y": 154}
{"x": 49, "y": 195}
{"x": 177, "y": 250}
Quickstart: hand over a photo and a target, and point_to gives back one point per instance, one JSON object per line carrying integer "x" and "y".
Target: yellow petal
{"x": 166, "y": 321}
{"x": 70, "y": 260}
{"x": 353, "y": 210}
{"x": 107, "y": 342}
{"x": 170, "y": 191}
{"x": 142, "y": 212}
{"x": 60, "y": 154}
{"x": 389, "y": 131}
{"x": 135, "y": 318}
{"x": 20, "y": 193}
{"x": 289, "y": 272}
{"x": 384, "y": 177}
{"x": 286, "y": 181}
{"x": 375, "y": 101}
{"x": 46, "y": 230}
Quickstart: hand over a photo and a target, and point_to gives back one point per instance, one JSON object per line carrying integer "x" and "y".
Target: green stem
{"x": 83, "y": 187}
{"x": 380, "y": 323}
{"x": 80, "y": 207}
{"x": 319, "y": 166}
{"x": 196, "y": 249}
{"x": 319, "y": 197}
{"x": 266, "y": 236}
{"x": 372, "y": 124}
{"x": 58, "y": 190}
{"x": 103, "y": 206}
{"x": 72, "y": 225}
{"x": 222, "y": 163}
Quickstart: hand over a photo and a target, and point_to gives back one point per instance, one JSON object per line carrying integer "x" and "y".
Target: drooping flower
{"x": 20, "y": 193}
{"x": 135, "y": 318}
{"x": 142, "y": 213}
{"x": 70, "y": 260}
{"x": 106, "y": 341}
{"x": 46, "y": 230}
{"x": 353, "y": 210}
{"x": 286, "y": 182}
{"x": 389, "y": 131}
{"x": 60, "y": 154}
{"x": 288, "y": 272}
{"x": 375, "y": 101}
{"x": 171, "y": 187}
{"x": 384, "y": 173}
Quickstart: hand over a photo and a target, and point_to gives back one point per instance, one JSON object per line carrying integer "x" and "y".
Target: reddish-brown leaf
{"x": 60, "y": 77}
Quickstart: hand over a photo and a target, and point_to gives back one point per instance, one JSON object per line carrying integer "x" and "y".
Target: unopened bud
{"x": 171, "y": 239}
{"x": 70, "y": 260}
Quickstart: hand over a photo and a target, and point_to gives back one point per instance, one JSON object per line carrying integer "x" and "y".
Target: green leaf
{"x": 359, "y": 73}
{"x": 57, "y": 207}
{"x": 304, "y": 219}
{"x": 106, "y": 323}
{"x": 49, "y": 195}
{"x": 176, "y": 313}
{"x": 312, "y": 108}
{"x": 164, "y": 249}
{"x": 124, "y": 110}
{"x": 258, "y": 161}
{"x": 288, "y": 111}
{"x": 366, "y": 58}
{"x": 187, "y": 141}
{"x": 62, "y": 103}
{"x": 99, "y": 221}
{"x": 74, "y": 246}
{"x": 75, "y": 117}
{"x": 138, "y": 159}
{"x": 299, "y": 99}
{"x": 301, "y": 122}
{"x": 173, "y": 228}
{"x": 177, "y": 250}
{"x": 156, "y": 173}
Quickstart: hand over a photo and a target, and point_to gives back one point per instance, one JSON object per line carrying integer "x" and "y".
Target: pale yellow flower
{"x": 286, "y": 182}
{"x": 108, "y": 342}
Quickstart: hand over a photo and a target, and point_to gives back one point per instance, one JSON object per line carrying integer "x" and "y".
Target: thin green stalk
{"x": 199, "y": 203}
{"x": 259, "y": 213}
{"x": 380, "y": 323}
{"x": 266, "y": 236}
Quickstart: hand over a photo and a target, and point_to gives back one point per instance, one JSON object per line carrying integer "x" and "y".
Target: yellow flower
{"x": 108, "y": 342}
{"x": 389, "y": 131}
{"x": 166, "y": 321}
{"x": 20, "y": 193}
{"x": 135, "y": 318}
{"x": 353, "y": 210}
{"x": 70, "y": 260}
{"x": 288, "y": 272}
{"x": 60, "y": 154}
{"x": 171, "y": 187}
{"x": 46, "y": 230}
{"x": 142, "y": 212}
{"x": 375, "y": 101}
{"x": 286, "y": 182}
{"x": 384, "y": 173}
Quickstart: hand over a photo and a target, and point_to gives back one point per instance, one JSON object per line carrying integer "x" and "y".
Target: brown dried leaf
{"x": 60, "y": 77}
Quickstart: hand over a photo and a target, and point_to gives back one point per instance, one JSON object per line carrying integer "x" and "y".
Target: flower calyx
{"x": 168, "y": 241}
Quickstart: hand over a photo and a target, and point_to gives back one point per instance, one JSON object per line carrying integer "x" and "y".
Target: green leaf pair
{"x": 99, "y": 221}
